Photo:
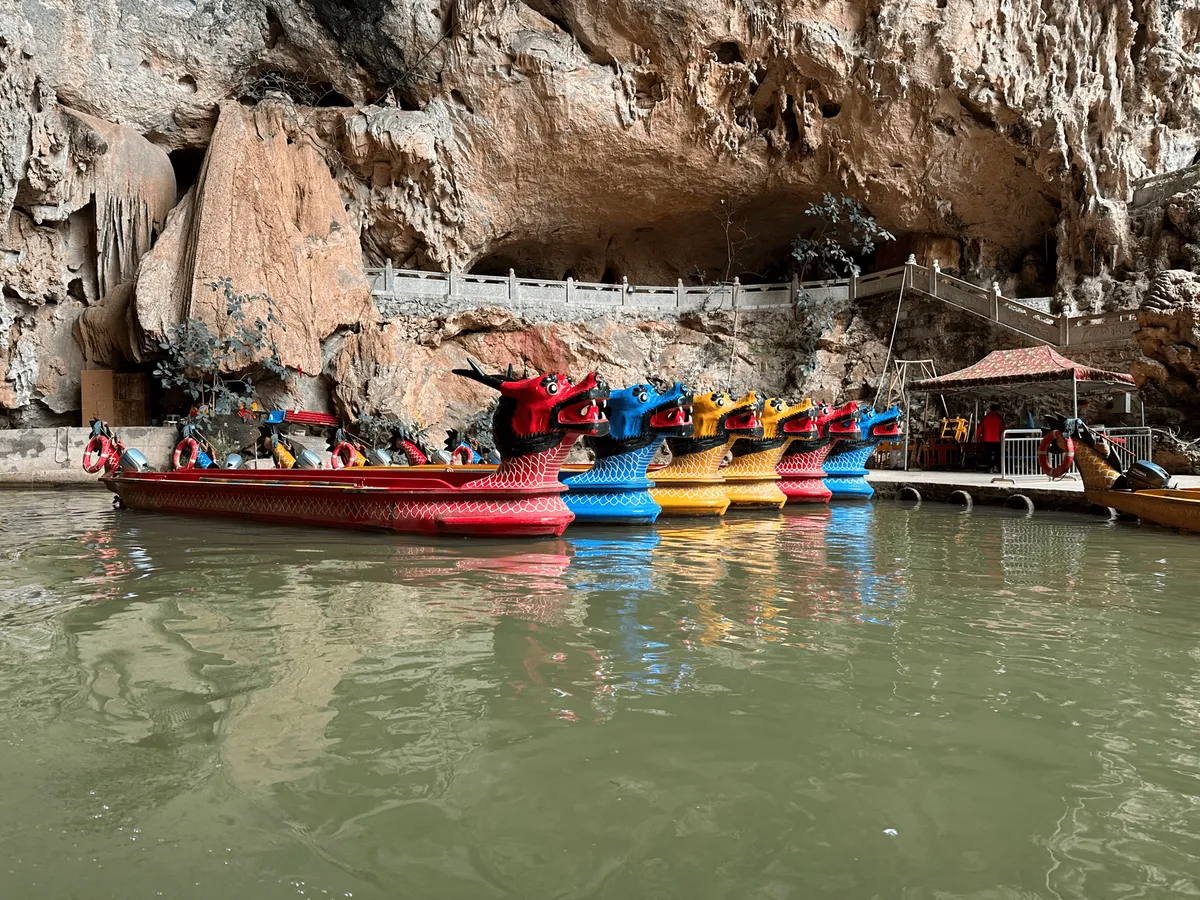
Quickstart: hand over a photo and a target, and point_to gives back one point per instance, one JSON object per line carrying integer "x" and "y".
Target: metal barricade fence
{"x": 1019, "y": 453}
{"x": 1132, "y": 443}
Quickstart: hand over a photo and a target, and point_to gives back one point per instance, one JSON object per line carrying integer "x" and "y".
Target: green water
{"x": 858, "y": 702}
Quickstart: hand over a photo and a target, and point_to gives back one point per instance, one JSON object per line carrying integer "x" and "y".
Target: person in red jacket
{"x": 991, "y": 433}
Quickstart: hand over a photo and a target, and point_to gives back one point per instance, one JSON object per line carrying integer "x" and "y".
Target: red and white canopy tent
{"x": 1030, "y": 371}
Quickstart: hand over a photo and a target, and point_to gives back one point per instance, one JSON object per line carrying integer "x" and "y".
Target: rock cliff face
{"x": 292, "y": 142}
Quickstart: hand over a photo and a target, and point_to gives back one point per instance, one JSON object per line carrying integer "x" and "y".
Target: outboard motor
{"x": 306, "y": 459}
{"x": 1146, "y": 476}
{"x": 378, "y": 457}
{"x": 233, "y": 461}
{"x": 133, "y": 461}
{"x": 441, "y": 457}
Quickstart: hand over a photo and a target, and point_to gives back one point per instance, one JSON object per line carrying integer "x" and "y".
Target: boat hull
{"x": 400, "y": 500}
{"x": 801, "y": 478}
{"x": 846, "y": 473}
{"x": 1169, "y": 508}
{"x": 690, "y": 485}
{"x": 614, "y": 491}
{"x": 751, "y": 481}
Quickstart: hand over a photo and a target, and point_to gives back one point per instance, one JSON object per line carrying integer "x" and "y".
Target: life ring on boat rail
{"x": 1052, "y": 440}
{"x": 346, "y": 456}
{"x": 179, "y": 461}
{"x": 98, "y": 454}
{"x": 461, "y": 456}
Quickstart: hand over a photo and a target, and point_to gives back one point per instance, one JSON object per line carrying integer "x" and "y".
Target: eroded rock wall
{"x": 648, "y": 139}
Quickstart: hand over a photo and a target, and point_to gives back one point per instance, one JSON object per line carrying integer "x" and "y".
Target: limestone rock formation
{"x": 647, "y": 139}
{"x": 1169, "y": 336}
{"x": 265, "y": 213}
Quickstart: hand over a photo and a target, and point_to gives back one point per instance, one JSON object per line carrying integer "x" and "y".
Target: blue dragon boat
{"x": 616, "y": 490}
{"x": 846, "y": 467}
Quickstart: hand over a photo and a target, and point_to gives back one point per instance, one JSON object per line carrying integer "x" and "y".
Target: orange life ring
{"x": 1051, "y": 440}
{"x": 193, "y": 448}
{"x": 346, "y": 456}
{"x": 97, "y": 455}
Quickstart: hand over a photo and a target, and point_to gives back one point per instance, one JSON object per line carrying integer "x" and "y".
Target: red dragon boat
{"x": 812, "y": 437}
{"x": 536, "y": 423}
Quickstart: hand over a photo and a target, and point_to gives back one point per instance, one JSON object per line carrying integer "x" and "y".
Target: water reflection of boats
{"x": 619, "y": 576}
{"x": 850, "y": 539}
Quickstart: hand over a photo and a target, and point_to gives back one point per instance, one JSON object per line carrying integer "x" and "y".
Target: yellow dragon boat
{"x": 751, "y": 479}
{"x": 1134, "y": 487}
{"x": 692, "y": 483}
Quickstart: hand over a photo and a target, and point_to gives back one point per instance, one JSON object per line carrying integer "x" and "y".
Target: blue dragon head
{"x": 880, "y": 425}
{"x": 640, "y": 414}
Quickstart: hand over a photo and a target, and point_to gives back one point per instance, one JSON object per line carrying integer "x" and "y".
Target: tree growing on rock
{"x": 844, "y": 235}
{"x": 211, "y": 366}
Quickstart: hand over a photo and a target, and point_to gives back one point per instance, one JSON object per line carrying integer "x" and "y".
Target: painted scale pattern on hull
{"x": 615, "y": 489}
{"x": 846, "y": 473}
{"x": 802, "y": 479}
{"x": 691, "y": 485}
{"x": 751, "y": 481}
{"x": 390, "y": 507}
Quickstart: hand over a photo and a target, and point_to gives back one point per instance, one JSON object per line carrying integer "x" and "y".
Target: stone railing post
{"x": 679, "y": 293}
{"x": 853, "y": 285}
{"x": 794, "y": 289}
{"x": 737, "y": 284}
{"x": 995, "y": 292}
{"x": 570, "y": 290}
{"x": 452, "y": 282}
{"x": 514, "y": 290}
{"x": 389, "y": 277}
{"x": 624, "y": 290}
{"x": 1064, "y": 330}
{"x": 909, "y": 265}
{"x": 934, "y": 271}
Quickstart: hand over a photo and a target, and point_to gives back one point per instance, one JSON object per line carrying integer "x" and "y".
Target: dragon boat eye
{"x": 642, "y": 397}
{"x": 552, "y": 387}
{"x": 719, "y": 399}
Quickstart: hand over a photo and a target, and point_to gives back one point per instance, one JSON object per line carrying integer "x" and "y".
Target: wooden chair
{"x": 956, "y": 430}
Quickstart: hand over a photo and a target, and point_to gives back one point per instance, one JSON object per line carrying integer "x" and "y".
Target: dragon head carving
{"x": 639, "y": 414}
{"x": 537, "y": 413}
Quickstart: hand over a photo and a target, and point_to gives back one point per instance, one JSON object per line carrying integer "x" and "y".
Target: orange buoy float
{"x": 179, "y": 461}
{"x": 1053, "y": 439}
{"x": 346, "y": 456}
{"x": 98, "y": 454}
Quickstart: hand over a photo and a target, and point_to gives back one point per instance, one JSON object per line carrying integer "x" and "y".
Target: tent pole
{"x": 1075, "y": 391}
{"x": 1143, "y": 405}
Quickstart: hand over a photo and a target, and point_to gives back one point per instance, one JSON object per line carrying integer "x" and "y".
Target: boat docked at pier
{"x": 813, "y": 432}
{"x": 615, "y": 489}
{"x": 846, "y": 466}
{"x": 537, "y": 422}
{"x": 1112, "y": 479}
{"x": 692, "y": 483}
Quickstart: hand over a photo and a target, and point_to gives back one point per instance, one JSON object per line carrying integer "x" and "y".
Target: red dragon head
{"x": 842, "y": 423}
{"x": 536, "y": 413}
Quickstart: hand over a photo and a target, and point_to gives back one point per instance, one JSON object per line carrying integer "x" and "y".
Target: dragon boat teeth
{"x": 672, "y": 418}
{"x": 744, "y": 419}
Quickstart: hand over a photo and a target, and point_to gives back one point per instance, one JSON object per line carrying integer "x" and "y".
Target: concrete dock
{"x": 1066, "y": 494}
